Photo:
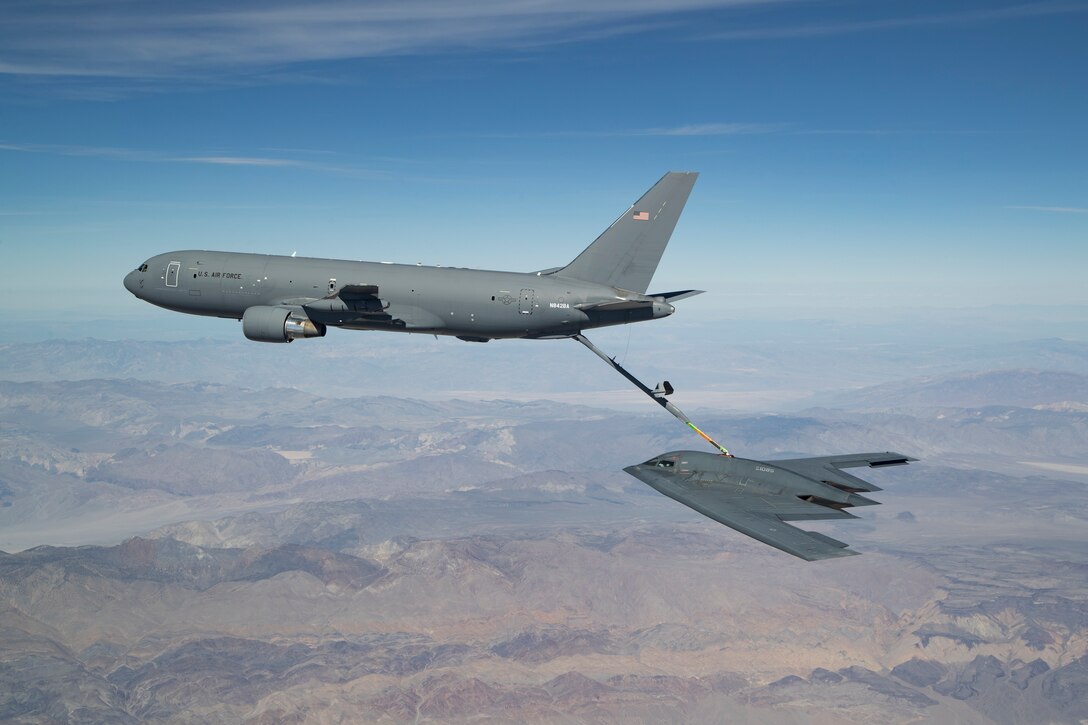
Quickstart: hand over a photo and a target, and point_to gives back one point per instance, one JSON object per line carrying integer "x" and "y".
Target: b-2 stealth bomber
{"x": 280, "y": 299}
{"x": 757, "y": 498}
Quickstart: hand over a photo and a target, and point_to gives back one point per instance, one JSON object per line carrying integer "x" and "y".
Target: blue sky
{"x": 854, "y": 155}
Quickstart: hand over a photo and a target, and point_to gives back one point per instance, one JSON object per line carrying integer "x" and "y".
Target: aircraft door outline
{"x": 172, "y": 271}
{"x": 525, "y": 304}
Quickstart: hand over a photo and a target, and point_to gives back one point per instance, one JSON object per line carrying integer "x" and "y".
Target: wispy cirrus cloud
{"x": 239, "y": 161}
{"x": 684, "y": 130}
{"x": 708, "y": 129}
{"x": 1055, "y": 209}
{"x": 815, "y": 29}
{"x": 170, "y": 39}
{"x": 107, "y": 152}
{"x": 152, "y": 156}
{"x": 696, "y": 130}
{"x": 127, "y": 46}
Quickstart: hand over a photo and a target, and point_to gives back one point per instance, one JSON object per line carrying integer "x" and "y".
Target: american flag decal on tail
{"x": 641, "y": 216}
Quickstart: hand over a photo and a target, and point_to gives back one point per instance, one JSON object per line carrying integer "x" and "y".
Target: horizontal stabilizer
{"x": 616, "y": 306}
{"x": 676, "y": 296}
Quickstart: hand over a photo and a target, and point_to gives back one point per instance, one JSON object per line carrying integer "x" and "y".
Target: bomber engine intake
{"x": 278, "y": 324}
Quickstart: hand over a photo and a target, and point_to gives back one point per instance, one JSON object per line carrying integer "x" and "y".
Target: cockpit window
{"x": 663, "y": 463}
{"x": 142, "y": 267}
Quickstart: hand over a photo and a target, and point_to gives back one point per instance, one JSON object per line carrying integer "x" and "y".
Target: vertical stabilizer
{"x": 628, "y": 252}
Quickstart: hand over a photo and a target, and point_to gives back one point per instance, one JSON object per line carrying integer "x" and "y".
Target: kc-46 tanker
{"x": 280, "y": 298}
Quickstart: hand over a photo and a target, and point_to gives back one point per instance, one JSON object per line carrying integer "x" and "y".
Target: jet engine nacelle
{"x": 278, "y": 324}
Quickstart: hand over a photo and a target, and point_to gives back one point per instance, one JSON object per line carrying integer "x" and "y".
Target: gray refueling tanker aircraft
{"x": 757, "y": 497}
{"x": 280, "y": 299}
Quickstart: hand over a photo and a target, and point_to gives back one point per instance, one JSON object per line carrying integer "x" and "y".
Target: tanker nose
{"x": 132, "y": 282}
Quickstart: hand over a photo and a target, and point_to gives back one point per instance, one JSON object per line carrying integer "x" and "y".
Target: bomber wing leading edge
{"x": 757, "y": 498}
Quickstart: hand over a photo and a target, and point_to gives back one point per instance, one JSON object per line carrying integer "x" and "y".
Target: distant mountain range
{"x": 1024, "y": 388}
{"x": 636, "y": 623}
{"x": 242, "y": 548}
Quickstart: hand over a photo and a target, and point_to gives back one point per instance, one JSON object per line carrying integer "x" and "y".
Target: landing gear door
{"x": 525, "y": 306}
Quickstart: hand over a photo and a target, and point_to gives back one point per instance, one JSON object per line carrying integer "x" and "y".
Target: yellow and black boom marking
{"x": 658, "y": 395}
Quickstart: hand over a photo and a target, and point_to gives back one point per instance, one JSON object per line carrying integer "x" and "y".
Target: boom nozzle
{"x": 657, "y": 395}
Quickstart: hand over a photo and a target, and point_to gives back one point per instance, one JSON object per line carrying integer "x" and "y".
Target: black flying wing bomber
{"x": 757, "y": 498}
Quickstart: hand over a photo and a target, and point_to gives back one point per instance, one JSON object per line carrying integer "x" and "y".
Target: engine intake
{"x": 278, "y": 324}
